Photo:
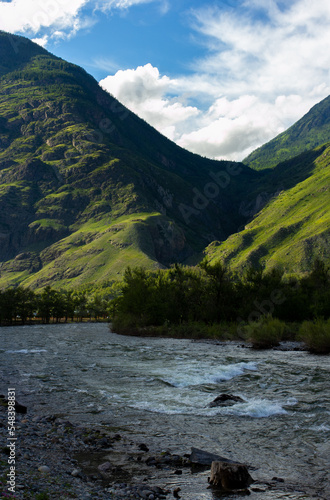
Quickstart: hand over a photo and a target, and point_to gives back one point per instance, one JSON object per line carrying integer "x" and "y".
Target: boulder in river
{"x": 225, "y": 399}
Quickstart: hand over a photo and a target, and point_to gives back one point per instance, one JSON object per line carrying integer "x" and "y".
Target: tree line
{"x": 208, "y": 293}
{"x": 211, "y": 294}
{"x": 23, "y": 305}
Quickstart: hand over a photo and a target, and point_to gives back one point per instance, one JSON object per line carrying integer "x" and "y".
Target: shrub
{"x": 316, "y": 335}
{"x": 265, "y": 333}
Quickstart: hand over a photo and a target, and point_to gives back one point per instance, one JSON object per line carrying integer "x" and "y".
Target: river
{"x": 160, "y": 390}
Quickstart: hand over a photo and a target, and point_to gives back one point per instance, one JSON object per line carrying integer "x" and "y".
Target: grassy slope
{"x": 96, "y": 252}
{"x": 292, "y": 230}
{"x": 310, "y": 131}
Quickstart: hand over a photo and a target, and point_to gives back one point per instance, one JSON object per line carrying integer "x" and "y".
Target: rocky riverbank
{"x": 55, "y": 459}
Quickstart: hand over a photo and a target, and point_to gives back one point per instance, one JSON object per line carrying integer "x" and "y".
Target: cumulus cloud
{"x": 232, "y": 129}
{"x": 41, "y": 41}
{"x": 150, "y": 96}
{"x": 61, "y": 18}
{"x": 271, "y": 61}
{"x": 31, "y": 15}
{"x": 266, "y": 64}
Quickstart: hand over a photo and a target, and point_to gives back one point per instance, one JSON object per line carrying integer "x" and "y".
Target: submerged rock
{"x": 143, "y": 447}
{"x": 105, "y": 469}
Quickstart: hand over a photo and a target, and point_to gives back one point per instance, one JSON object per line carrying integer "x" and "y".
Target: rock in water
{"x": 225, "y": 399}
{"x": 106, "y": 470}
{"x": 230, "y": 476}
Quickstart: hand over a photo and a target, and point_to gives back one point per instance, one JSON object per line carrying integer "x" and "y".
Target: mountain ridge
{"x": 311, "y": 131}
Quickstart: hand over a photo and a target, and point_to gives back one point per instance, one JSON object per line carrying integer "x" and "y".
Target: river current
{"x": 160, "y": 390}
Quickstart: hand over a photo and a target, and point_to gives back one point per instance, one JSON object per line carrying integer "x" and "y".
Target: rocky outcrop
{"x": 169, "y": 242}
{"x": 25, "y": 261}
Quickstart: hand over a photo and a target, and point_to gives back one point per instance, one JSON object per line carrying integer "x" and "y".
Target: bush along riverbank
{"x": 207, "y": 302}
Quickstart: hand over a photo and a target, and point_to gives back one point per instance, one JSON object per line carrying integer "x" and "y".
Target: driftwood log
{"x": 230, "y": 476}
{"x": 201, "y": 457}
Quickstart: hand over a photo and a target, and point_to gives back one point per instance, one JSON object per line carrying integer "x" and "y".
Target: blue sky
{"x": 220, "y": 77}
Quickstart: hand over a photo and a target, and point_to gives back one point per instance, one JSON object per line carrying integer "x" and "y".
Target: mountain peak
{"x": 16, "y": 51}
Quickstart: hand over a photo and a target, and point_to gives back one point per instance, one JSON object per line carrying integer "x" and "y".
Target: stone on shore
{"x": 43, "y": 468}
{"x": 19, "y": 408}
{"x": 106, "y": 470}
{"x": 75, "y": 473}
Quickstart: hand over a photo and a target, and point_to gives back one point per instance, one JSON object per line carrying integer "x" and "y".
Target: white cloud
{"x": 267, "y": 63}
{"x": 32, "y": 15}
{"x": 41, "y": 41}
{"x": 150, "y": 96}
{"x": 60, "y": 17}
{"x": 119, "y": 4}
{"x": 282, "y": 59}
{"x": 232, "y": 128}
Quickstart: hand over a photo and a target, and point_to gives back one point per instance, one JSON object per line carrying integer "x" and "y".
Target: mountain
{"x": 311, "y": 131}
{"x": 293, "y": 229}
{"x": 87, "y": 187}
{"x": 290, "y": 207}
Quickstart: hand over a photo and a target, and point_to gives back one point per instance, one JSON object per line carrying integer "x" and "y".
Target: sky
{"x": 218, "y": 77}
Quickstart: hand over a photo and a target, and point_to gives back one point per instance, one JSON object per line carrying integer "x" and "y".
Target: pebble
{"x": 43, "y": 468}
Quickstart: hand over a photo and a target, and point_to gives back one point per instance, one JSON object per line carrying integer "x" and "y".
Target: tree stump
{"x": 230, "y": 476}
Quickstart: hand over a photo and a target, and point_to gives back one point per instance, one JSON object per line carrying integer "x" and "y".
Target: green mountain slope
{"x": 309, "y": 132}
{"x": 87, "y": 187}
{"x": 294, "y": 228}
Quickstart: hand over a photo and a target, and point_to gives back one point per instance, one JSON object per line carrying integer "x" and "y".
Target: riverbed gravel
{"x": 45, "y": 467}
